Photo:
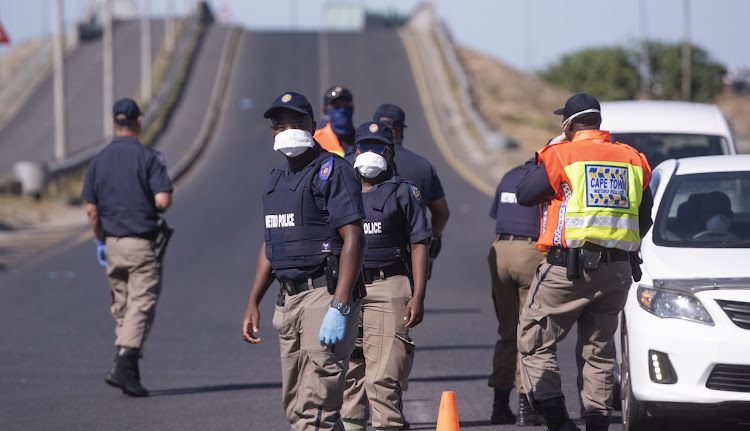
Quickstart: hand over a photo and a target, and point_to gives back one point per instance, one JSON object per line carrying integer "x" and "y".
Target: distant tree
{"x": 612, "y": 73}
{"x": 666, "y": 72}
{"x": 605, "y": 73}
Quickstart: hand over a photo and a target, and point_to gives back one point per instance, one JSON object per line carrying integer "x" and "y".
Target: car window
{"x": 658, "y": 147}
{"x": 705, "y": 210}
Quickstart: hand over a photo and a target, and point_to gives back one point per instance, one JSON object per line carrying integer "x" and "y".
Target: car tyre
{"x": 634, "y": 413}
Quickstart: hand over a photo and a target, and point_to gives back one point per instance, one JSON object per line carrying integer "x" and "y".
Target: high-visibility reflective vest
{"x": 598, "y": 189}
{"x": 328, "y": 140}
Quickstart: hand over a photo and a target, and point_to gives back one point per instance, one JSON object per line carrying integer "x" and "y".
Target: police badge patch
{"x": 160, "y": 158}
{"x": 415, "y": 191}
{"x": 325, "y": 169}
{"x": 607, "y": 186}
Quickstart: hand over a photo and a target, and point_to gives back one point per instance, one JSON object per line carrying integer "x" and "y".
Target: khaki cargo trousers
{"x": 388, "y": 357}
{"x": 312, "y": 376}
{"x": 134, "y": 276}
{"x": 553, "y": 305}
{"x": 512, "y": 263}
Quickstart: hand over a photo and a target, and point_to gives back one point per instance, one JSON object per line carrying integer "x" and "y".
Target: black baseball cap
{"x": 290, "y": 100}
{"x": 389, "y": 110}
{"x": 125, "y": 111}
{"x": 374, "y": 130}
{"x": 578, "y": 103}
{"x": 336, "y": 92}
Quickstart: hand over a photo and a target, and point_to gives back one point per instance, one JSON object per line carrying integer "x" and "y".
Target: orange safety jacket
{"x": 328, "y": 140}
{"x": 598, "y": 189}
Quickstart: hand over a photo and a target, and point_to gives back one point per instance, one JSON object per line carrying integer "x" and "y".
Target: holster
{"x": 590, "y": 258}
{"x": 635, "y": 265}
{"x": 163, "y": 234}
{"x": 332, "y": 277}
{"x": 572, "y": 267}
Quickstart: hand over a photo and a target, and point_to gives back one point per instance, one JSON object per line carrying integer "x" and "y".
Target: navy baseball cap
{"x": 577, "y": 104}
{"x": 125, "y": 111}
{"x": 290, "y": 100}
{"x": 374, "y": 130}
{"x": 336, "y": 92}
{"x": 389, "y": 110}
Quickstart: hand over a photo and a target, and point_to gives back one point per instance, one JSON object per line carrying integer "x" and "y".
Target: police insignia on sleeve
{"x": 415, "y": 191}
{"x": 160, "y": 158}
{"x": 325, "y": 169}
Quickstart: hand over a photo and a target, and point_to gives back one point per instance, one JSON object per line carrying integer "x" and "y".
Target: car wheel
{"x": 634, "y": 413}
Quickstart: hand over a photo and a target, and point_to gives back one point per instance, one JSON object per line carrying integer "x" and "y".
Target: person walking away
{"x": 595, "y": 208}
{"x": 314, "y": 245}
{"x": 513, "y": 259}
{"x": 126, "y": 188}
{"x": 396, "y": 231}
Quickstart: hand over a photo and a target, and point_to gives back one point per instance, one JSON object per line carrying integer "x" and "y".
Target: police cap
{"x": 335, "y": 93}
{"x": 577, "y": 104}
{"x": 374, "y": 130}
{"x": 290, "y": 100}
{"x": 125, "y": 111}
{"x": 389, "y": 110}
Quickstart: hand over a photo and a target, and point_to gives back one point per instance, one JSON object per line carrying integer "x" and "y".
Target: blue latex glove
{"x": 100, "y": 252}
{"x": 333, "y": 328}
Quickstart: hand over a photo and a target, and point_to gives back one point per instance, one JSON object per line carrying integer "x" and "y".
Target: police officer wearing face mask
{"x": 337, "y": 136}
{"x": 595, "y": 208}
{"x": 397, "y": 232}
{"x": 314, "y": 245}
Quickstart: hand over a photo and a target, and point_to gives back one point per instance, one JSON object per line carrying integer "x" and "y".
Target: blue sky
{"x": 525, "y": 34}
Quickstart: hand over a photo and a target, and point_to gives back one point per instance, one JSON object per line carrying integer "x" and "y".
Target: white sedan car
{"x": 683, "y": 345}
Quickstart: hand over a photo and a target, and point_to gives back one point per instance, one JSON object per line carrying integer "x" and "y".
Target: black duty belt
{"x": 515, "y": 237}
{"x": 372, "y": 274}
{"x": 559, "y": 255}
{"x": 293, "y": 287}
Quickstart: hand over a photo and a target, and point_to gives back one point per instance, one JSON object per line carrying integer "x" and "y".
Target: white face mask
{"x": 293, "y": 142}
{"x": 370, "y": 165}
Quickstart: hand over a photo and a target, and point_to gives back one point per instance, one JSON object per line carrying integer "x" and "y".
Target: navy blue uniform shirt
{"x": 512, "y": 218}
{"x": 122, "y": 181}
{"x": 415, "y": 168}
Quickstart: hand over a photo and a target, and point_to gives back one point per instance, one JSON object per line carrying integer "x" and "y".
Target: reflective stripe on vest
{"x": 599, "y": 186}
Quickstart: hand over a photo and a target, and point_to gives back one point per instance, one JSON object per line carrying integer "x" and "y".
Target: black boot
{"x": 501, "y": 413}
{"x": 125, "y": 374}
{"x": 556, "y": 415}
{"x": 527, "y": 417}
{"x": 597, "y": 423}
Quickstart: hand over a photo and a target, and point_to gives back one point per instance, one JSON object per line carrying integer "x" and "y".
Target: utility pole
{"x": 169, "y": 30}
{"x": 108, "y": 68}
{"x": 146, "y": 52}
{"x": 59, "y": 83}
{"x": 686, "y": 55}
{"x": 645, "y": 64}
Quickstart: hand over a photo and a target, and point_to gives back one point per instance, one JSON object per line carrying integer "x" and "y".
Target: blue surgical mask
{"x": 341, "y": 120}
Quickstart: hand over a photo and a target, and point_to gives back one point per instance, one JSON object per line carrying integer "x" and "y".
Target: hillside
{"x": 520, "y": 105}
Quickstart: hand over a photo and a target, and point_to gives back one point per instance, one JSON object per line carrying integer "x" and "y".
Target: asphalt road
{"x": 56, "y": 338}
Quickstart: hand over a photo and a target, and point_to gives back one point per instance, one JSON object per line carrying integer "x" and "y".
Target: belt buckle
{"x": 288, "y": 286}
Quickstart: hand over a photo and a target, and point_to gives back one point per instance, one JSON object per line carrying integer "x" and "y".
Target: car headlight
{"x": 672, "y": 304}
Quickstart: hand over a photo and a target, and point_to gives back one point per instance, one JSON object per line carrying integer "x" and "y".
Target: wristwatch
{"x": 342, "y": 307}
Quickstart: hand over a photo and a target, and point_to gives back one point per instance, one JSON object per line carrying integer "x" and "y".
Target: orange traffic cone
{"x": 447, "y": 416}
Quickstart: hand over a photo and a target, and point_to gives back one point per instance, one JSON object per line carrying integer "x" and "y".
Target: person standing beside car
{"x": 314, "y": 245}
{"x": 595, "y": 208}
{"x": 126, "y": 187}
{"x": 513, "y": 259}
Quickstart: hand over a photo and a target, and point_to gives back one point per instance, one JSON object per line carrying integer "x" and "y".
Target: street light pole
{"x": 107, "y": 69}
{"x": 146, "y": 52}
{"x": 686, "y": 60}
{"x": 645, "y": 66}
{"x": 59, "y": 83}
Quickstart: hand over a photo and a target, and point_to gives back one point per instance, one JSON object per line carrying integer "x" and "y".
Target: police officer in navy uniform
{"x": 397, "y": 231}
{"x": 125, "y": 189}
{"x": 415, "y": 168}
{"x": 314, "y": 245}
{"x": 513, "y": 259}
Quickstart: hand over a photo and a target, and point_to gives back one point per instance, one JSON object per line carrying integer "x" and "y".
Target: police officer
{"x": 125, "y": 189}
{"x": 415, "y": 168}
{"x": 596, "y": 207}
{"x": 397, "y": 232}
{"x": 314, "y": 244}
{"x": 337, "y": 136}
{"x": 513, "y": 259}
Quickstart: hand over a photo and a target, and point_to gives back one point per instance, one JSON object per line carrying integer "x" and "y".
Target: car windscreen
{"x": 705, "y": 210}
{"x": 658, "y": 147}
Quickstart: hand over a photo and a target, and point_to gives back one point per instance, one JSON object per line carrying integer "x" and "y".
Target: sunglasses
{"x": 376, "y": 148}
